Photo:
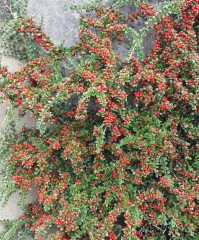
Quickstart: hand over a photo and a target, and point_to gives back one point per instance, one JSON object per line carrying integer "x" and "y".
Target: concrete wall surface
{"x": 61, "y": 26}
{"x": 11, "y": 210}
{"x": 58, "y": 21}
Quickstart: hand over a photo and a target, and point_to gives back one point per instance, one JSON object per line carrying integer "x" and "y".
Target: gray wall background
{"x": 61, "y": 26}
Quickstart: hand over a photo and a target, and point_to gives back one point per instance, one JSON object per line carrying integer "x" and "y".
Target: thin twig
{"x": 162, "y": 230}
{"x": 8, "y": 6}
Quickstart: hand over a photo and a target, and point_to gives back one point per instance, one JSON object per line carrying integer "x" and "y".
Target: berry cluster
{"x": 118, "y": 156}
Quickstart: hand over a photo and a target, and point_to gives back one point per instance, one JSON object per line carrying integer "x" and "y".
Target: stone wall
{"x": 61, "y": 26}
{"x": 12, "y": 210}
{"x": 58, "y": 21}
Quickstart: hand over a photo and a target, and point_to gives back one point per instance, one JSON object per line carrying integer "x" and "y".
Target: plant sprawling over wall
{"x": 115, "y": 152}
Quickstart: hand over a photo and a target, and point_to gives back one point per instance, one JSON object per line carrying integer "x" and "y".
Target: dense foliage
{"x": 115, "y": 152}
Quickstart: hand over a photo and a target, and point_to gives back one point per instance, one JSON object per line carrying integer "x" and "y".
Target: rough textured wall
{"x": 60, "y": 26}
{"x": 58, "y": 21}
{"x": 12, "y": 211}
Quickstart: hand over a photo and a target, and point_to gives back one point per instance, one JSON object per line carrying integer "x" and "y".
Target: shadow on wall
{"x": 62, "y": 24}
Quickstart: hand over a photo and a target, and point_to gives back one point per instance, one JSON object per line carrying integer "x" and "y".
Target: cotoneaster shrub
{"x": 115, "y": 151}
